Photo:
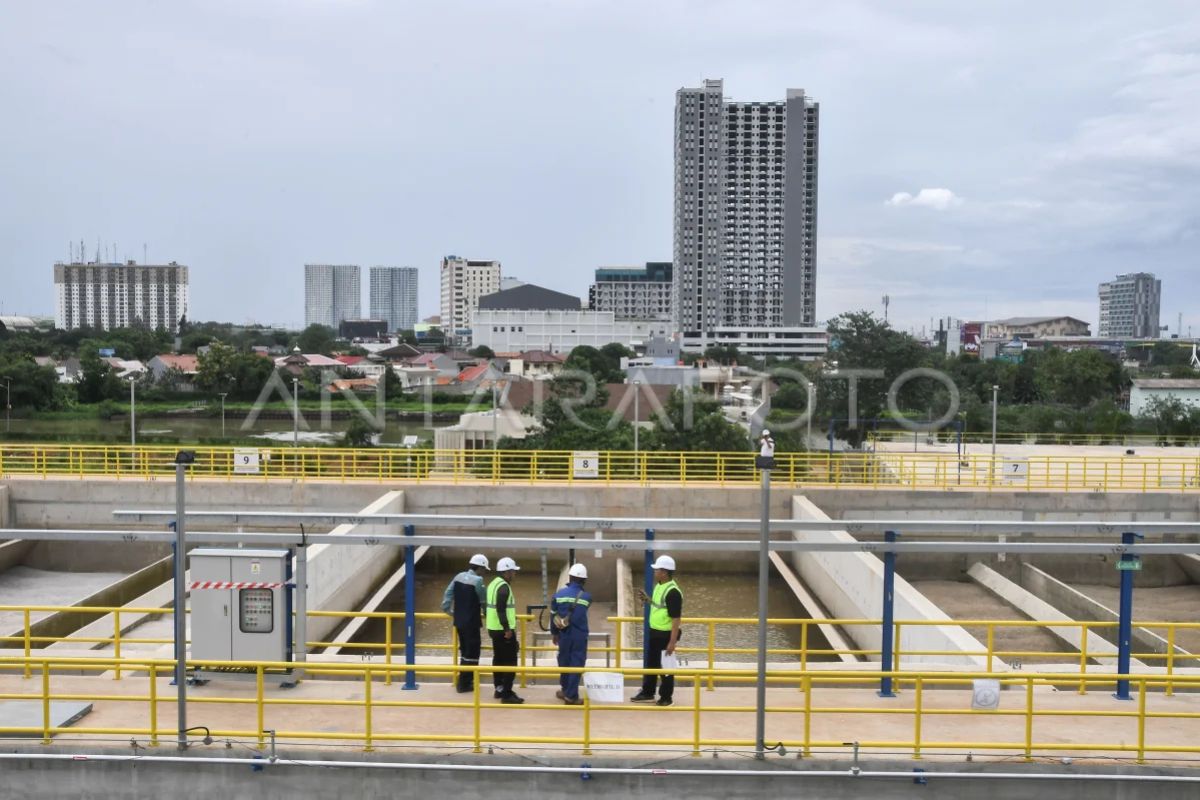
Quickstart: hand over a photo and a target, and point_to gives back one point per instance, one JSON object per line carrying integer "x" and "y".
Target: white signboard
{"x": 985, "y": 695}
{"x": 585, "y": 464}
{"x": 245, "y": 461}
{"x": 1015, "y": 469}
{"x": 604, "y": 687}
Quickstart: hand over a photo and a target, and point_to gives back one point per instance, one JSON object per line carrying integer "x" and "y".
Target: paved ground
{"x": 726, "y": 721}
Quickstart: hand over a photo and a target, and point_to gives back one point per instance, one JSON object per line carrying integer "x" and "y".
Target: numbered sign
{"x": 1015, "y": 469}
{"x": 586, "y": 464}
{"x": 245, "y": 461}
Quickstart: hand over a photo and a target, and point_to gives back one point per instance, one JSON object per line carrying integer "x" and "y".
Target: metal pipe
{"x": 410, "y": 609}
{"x": 764, "y": 543}
{"x": 301, "y": 639}
{"x": 1125, "y": 617}
{"x": 8, "y": 405}
{"x": 887, "y": 627}
{"x": 223, "y": 414}
{"x": 295, "y": 412}
{"x": 658, "y": 771}
{"x": 638, "y": 524}
{"x": 648, "y": 587}
{"x": 182, "y": 459}
{"x": 132, "y": 412}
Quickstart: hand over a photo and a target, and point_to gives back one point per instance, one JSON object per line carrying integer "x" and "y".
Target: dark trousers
{"x": 468, "y": 649}
{"x": 658, "y": 642}
{"x": 572, "y": 652}
{"x": 504, "y": 654}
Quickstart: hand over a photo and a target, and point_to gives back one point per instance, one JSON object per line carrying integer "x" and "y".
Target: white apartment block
{"x": 394, "y": 297}
{"x": 332, "y": 293}
{"x": 803, "y": 343}
{"x": 464, "y": 281}
{"x": 106, "y": 296}
{"x": 1129, "y": 306}
{"x": 634, "y": 292}
{"x": 745, "y": 210}
{"x": 558, "y": 331}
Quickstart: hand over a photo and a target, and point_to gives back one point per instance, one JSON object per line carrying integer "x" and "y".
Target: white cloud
{"x": 940, "y": 199}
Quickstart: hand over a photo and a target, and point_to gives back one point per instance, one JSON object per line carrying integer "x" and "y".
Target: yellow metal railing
{"x": 878, "y": 470}
{"x": 841, "y": 702}
{"x": 1170, "y": 658}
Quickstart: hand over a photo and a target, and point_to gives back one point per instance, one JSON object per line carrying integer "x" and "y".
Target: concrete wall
{"x": 850, "y": 585}
{"x": 5, "y": 507}
{"x": 32, "y": 778}
{"x": 342, "y": 578}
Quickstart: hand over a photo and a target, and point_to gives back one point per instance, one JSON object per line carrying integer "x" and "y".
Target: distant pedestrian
{"x": 666, "y": 609}
{"x": 464, "y": 600}
{"x": 570, "y": 623}
{"x": 502, "y": 627}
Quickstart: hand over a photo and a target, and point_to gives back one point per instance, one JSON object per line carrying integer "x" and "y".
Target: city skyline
{"x": 1036, "y": 159}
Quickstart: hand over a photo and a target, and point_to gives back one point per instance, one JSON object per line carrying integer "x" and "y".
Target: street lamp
{"x": 765, "y": 463}
{"x": 295, "y": 411}
{"x": 132, "y": 411}
{"x": 495, "y": 417}
{"x": 7, "y": 405}
{"x": 223, "y": 414}
{"x": 637, "y": 391}
{"x": 995, "y": 403}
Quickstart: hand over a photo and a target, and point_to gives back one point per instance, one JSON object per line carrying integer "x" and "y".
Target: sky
{"x": 977, "y": 160}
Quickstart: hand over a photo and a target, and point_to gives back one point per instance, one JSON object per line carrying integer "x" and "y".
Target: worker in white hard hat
{"x": 569, "y": 624}
{"x": 666, "y": 609}
{"x": 502, "y": 627}
{"x": 464, "y": 600}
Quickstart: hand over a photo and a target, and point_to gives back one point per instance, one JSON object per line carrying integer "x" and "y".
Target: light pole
{"x": 765, "y": 463}
{"x": 182, "y": 459}
{"x": 295, "y": 411}
{"x": 812, "y": 403}
{"x": 132, "y": 411}
{"x": 223, "y": 414}
{"x": 495, "y": 417}
{"x": 995, "y": 403}
{"x": 637, "y": 391}
{"x": 7, "y": 405}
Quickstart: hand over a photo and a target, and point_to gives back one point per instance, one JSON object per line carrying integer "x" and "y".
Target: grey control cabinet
{"x": 241, "y": 609}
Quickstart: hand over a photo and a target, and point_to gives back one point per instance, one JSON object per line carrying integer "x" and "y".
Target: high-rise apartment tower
{"x": 394, "y": 296}
{"x": 745, "y": 211}
{"x": 464, "y": 281}
{"x": 106, "y": 296}
{"x": 332, "y": 293}
{"x": 1129, "y": 306}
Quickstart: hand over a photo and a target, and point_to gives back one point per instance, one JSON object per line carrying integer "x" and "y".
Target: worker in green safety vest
{"x": 501, "y": 618}
{"x": 666, "y": 609}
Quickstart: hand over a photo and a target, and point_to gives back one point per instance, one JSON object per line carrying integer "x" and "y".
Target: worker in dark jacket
{"x": 501, "y": 618}
{"x": 570, "y": 622}
{"x": 464, "y": 600}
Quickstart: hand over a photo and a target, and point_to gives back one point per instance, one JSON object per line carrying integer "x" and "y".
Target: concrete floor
{"x": 963, "y": 600}
{"x": 542, "y": 717}
{"x": 1157, "y": 604}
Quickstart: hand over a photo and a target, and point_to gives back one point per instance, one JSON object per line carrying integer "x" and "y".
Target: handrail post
{"x": 1170, "y": 660}
{"x": 804, "y": 646}
{"x": 1125, "y": 619}
{"x": 410, "y": 611}
{"x": 522, "y": 630}
{"x": 696, "y": 716}
{"x": 991, "y": 645}
{"x": 587, "y": 725}
{"x": 367, "y": 680}
{"x": 1029, "y": 718}
{"x": 1141, "y": 758}
{"x": 28, "y": 644}
{"x": 807, "y": 682}
{"x": 1085, "y": 631}
{"x": 153, "y": 705}
{"x": 387, "y": 647}
{"x": 889, "y": 589}
{"x": 258, "y": 705}
{"x": 917, "y": 719}
{"x": 712, "y": 635}
{"x": 45, "y": 702}
{"x": 476, "y": 711}
{"x": 117, "y": 643}
{"x": 620, "y": 641}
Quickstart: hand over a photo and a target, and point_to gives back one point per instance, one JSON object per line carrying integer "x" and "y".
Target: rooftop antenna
{"x": 82, "y": 257}
{"x": 144, "y": 260}
{"x": 887, "y": 301}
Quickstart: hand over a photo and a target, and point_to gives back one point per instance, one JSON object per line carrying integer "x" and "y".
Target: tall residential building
{"x": 634, "y": 292}
{"x": 1129, "y": 306}
{"x": 105, "y": 296}
{"x": 745, "y": 211}
{"x": 394, "y": 296}
{"x": 464, "y": 281}
{"x": 332, "y": 293}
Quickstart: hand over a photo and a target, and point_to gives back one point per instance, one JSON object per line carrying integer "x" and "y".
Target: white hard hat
{"x": 479, "y": 560}
{"x": 664, "y": 562}
{"x": 577, "y": 571}
{"x": 505, "y": 564}
{"x": 766, "y": 432}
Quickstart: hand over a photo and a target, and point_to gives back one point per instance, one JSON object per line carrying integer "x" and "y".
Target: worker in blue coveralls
{"x": 569, "y": 620}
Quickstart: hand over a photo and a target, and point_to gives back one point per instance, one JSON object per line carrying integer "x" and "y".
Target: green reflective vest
{"x": 493, "y": 618}
{"x": 660, "y": 620}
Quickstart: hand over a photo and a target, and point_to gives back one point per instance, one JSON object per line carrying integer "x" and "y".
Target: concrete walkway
{"x": 227, "y": 707}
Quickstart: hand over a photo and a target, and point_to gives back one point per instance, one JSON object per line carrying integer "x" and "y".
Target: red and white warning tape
{"x": 234, "y": 585}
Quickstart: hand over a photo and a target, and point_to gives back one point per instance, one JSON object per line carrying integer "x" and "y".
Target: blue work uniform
{"x": 464, "y": 600}
{"x": 573, "y": 602}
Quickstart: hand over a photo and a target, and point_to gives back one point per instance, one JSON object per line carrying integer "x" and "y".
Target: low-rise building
{"x": 1146, "y": 390}
{"x": 805, "y": 344}
{"x": 1035, "y": 327}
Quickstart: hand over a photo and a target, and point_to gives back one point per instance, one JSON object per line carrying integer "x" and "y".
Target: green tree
{"x": 722, "y": 354}
{"x": 215, "y": 368}
{"x": 483, "y": 351}
{"x": 695, "y": 422}
{"x": 359, "y": 433}
{"x": 604, "y": 368}
{"x": 97, "y": 380}
{"x": 316, "y": 339}
{"x": 29, "y": 385}
{"x": 570, "y": 421}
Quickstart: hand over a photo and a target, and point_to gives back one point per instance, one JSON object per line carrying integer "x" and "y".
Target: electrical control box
{"x": 241, "y": 604}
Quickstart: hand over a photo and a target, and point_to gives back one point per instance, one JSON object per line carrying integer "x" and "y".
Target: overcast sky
{"x": 975, "y": 159}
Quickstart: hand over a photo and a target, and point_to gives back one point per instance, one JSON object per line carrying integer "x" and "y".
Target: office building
{"x": 1129, "y": 306}
{"x": 106, "y": 296}
{"x": 745, "y": 211}
{"x": 394, "y": 297}
{"x": 332, "y": 293}
{"x": 464, "y": 281}
{"x": 634, "y": 292}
